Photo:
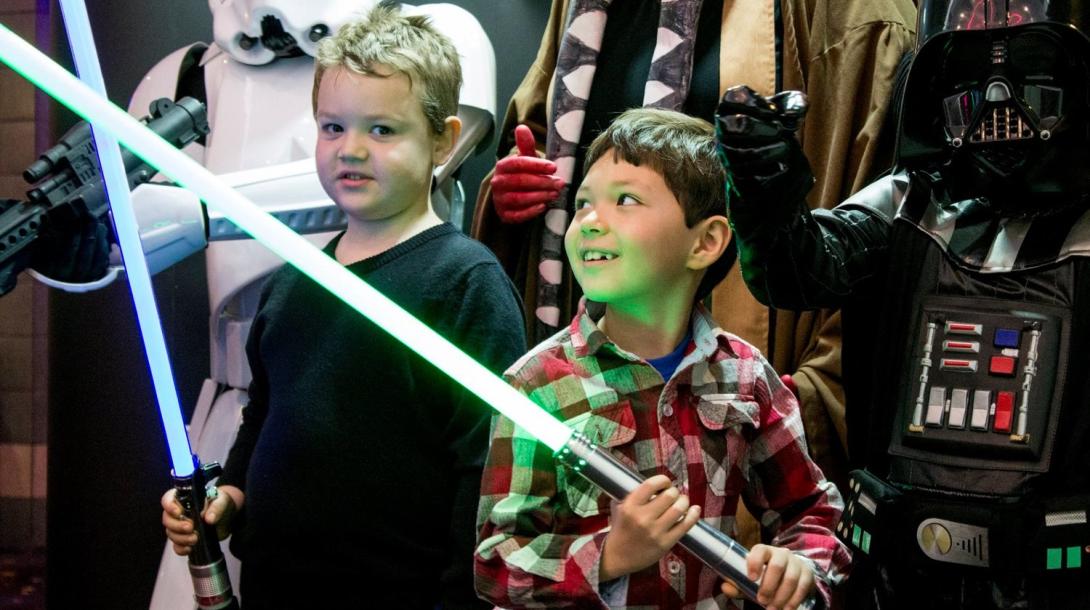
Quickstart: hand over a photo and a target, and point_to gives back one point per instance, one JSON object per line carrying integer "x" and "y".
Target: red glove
{"x": 523, "y": 183}
{"x": 789, "y": 381}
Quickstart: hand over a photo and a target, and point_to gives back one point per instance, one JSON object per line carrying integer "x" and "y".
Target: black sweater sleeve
{"x": 486, "y": 322}
{"x": 257, "y": 407}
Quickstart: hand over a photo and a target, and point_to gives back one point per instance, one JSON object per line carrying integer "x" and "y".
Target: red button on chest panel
{"x": 1001, "y": 365}
{"x": 1004, "y": 410}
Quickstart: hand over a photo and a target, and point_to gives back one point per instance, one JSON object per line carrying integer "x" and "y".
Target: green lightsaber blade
{"x": 417, "y": 336}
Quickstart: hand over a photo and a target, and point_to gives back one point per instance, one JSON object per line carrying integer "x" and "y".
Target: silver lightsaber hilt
{"x": 717, "y": 550}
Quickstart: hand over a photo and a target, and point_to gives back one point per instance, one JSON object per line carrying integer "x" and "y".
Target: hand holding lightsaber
{"x": 786, "y": 580}
{"x": 207, "y": 566}
{"x": 644, "y": 526}
{"x": 709, "y": 545}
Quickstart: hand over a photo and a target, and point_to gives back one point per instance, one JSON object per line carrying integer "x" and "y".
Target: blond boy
{"x": 357, "y": 464}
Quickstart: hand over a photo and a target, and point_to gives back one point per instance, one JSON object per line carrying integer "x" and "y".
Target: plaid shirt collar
{"x": 587, "y": 339}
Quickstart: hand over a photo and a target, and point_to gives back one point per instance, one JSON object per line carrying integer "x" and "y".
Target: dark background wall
{"x": 108, "y": 463}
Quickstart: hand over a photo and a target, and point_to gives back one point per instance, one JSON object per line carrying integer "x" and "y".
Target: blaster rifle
{"x": 66, "y": 184}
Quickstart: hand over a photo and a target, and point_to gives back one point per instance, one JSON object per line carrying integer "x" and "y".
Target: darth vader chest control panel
{"x": 984, "y": 384}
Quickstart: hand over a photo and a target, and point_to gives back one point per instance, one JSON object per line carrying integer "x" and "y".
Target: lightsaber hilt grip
{"x": 207, "y": 566}
{"x": 717, "y": 550}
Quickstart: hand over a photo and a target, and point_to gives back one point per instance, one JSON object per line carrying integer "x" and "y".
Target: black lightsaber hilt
{"x": 717, "y": 550}
{"x": 207, "y": 566}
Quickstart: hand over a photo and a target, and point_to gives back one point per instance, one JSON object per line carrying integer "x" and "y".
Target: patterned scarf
{"x": 667, "y": 87}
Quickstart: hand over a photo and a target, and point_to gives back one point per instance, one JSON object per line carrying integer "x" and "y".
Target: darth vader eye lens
{"x": 1046, "y": 102}
{"x": 959, "y": 109}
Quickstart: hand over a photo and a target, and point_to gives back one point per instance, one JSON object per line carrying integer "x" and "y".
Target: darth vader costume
{"x": 964, "y": 276}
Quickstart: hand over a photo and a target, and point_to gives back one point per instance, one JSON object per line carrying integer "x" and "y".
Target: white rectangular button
{"x": 959, "y": 400}
{"x": 936, "y": 404}
{"x": 982, "y": 400}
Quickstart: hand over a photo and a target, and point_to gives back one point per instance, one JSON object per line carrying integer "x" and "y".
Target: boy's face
{"x": 375, "y": 152}
{"x": 628, "y": 244}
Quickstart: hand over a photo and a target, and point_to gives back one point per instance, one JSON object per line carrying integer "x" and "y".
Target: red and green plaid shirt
{"x": 721, "y": 427}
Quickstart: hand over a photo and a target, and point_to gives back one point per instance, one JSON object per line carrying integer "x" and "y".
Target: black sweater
{"x": 360, "y": 461}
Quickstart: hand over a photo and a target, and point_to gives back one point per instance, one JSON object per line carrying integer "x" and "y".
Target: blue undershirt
{"x": 666, "y": 365}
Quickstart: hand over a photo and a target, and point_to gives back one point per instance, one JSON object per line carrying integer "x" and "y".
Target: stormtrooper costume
{"x": 964, "y": 276}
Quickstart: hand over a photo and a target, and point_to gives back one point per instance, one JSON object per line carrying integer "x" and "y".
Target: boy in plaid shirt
{"x": 644, "y": 371}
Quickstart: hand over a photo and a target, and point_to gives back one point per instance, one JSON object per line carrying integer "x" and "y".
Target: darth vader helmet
{"x": 998, "y": 96}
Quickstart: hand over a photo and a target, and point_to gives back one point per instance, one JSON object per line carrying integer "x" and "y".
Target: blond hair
{"x": 408, "y": 44}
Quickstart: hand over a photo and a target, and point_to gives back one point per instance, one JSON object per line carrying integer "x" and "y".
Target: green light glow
{"x": 66, "y": 89}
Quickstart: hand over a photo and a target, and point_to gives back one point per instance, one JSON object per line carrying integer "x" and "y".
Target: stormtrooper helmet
{"x": 257, "y": 32}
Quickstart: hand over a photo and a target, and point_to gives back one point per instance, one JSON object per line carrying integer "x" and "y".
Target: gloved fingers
{"x": 61, "y": 254}
{"x": 525, "y": 165}
{"x": 520, "y": 200}
{"x": 521, "y": 216}
{"x": 520, "y": 207}
{"x": 91, "y": 253}
{"x": 102, "y": 251}
{"x": 742, "y": 159}
{"x": 762, "y": 170}
{"x": 524, "y": 141}
{"x": 73, "y": 254}
{"x": 758, "y": 169}
{"x": 745, "y": 128}
{"x": 525, "y": 182}
{"x": 743, "y": 100}
{"x": 791, "y": 105}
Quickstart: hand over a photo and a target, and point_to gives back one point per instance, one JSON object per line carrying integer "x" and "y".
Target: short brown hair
{"x": 408, "y": 44}
{"x": 682, "y": 150}
{"x": 679, "y": 147}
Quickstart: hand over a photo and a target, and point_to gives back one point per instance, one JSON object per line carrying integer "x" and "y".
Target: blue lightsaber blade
{"x": 718, "y": 551}
{"x": 115, "y": 177}
{"x": 206, "y": 562}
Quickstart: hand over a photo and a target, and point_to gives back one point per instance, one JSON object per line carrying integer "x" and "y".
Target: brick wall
{"x": 23, "y": 318}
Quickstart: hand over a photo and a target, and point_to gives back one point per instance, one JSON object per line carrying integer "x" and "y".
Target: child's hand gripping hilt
{"x": 207, "y": 566}
{"x": 709, "y": 545}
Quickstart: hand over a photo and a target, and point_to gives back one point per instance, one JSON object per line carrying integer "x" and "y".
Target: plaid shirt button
{"x": 668, "y": 410}
{"x": 673, "y": 566}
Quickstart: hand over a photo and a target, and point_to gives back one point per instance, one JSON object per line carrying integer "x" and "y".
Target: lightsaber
{"x": 718, "y": 551}
{"x": 207, "y": 566}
